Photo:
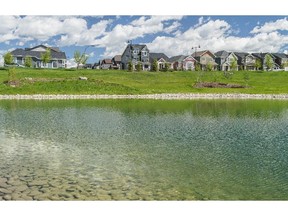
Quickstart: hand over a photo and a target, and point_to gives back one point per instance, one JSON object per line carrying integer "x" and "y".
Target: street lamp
{"x": 195, "y": 48}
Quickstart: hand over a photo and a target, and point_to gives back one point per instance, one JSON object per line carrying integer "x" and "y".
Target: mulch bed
{"x": 217, "y": 85}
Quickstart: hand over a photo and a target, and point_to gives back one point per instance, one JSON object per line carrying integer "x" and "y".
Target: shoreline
{"x": 164, "y": 96}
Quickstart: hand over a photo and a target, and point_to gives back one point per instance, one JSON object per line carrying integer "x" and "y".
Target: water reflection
{"x": 141, "y": 149}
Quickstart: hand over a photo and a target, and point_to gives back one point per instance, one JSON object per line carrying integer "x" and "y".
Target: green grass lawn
{"x": 64, "y": 81}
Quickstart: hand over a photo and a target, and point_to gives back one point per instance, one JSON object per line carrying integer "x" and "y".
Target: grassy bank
{"x": 48, "y": 81}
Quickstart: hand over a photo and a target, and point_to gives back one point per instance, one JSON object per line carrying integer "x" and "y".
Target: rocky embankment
{"x": 180, "y": 96}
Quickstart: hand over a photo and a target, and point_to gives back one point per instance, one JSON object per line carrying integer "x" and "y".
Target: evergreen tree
{"x": 155, "y": 66}
{"x": 130, "y": 66}
{"x": 139, "y": 67}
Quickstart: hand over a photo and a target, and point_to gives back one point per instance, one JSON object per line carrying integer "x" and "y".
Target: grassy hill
{"x": 65, "y": 81}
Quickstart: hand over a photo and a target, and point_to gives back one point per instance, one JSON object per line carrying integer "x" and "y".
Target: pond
{"x": 144, "y": 150}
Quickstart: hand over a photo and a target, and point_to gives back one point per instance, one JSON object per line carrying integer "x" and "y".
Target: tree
{"x": 130, "y": 66}
{"x": 80, "y": 58}
{"x": 258, "y": 64}
{"x": 155, "y": 66}
{"x": 268, "y": 62}
{"x": 139, "y": 66}
{"x": 46, "y": 57}
{"x": 8, "y": 58}
{"x": 197, "y": 66}
{"x": 28, "y": 61}
{"x": 209, "y": 66}
{"x": 166, "y": 66}
{"x": 234, "y": 64}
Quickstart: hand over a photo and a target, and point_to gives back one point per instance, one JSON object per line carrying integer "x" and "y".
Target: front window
{"x": 136, "y": 51}
{"x": 144, "y": 53}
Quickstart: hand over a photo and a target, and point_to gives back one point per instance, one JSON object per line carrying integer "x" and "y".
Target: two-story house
{"x": 161, "y": 59}
{"x": 136, "y": 53}
{"x": 182, "y": 62}
{"x": 264, "y": 57}
{"x": 206, "y": 59}
{"x": 58, "y": 58}
{"x": 226, "y": 61}
{"x": 281, "y": 59}
{"x": 247, "y": 61}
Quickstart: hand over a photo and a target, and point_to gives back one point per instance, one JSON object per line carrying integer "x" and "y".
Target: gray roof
{"x": 279, "y": 55}
{"x": 37, "y": 54}
{"x": 222, "y": 54}
{"x": 157, "y": 56}
{"x": 137, "y": 46}
{"x": 241, "y": 54}
{"x": 178, "y": 58}
{"x": 261, "y": 55}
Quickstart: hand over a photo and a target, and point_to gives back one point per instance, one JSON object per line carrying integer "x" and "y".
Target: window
{"x": 136, "y": 51}
{"x": 144, "y": 53}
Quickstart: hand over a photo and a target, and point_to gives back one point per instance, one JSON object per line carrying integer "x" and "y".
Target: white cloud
{"x": 280, "y": 24}
{"x": 115, "y": 40}
{"x": 215, "y": 35}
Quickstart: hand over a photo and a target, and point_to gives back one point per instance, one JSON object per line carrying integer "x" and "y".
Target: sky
{"x": 107, "y": 36}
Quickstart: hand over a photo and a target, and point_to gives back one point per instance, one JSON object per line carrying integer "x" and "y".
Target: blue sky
{"x": 173, "y": 35}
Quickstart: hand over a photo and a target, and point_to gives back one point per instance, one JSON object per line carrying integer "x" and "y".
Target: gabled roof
{"x": 157, "y": 56}
{"x": 241, "y": 54}
{"x": 262, "y": 55}
{"x": 106, "y": 61}
{"x": 279, "y": 55}
{"x": 222, "y": 54}
{"x": 178, "y": 58}
{"x": 117, "y": 58}
{"x": 138, "y": 46}
{"x": 55, "y": 54}
{"x": 201, "y": 53}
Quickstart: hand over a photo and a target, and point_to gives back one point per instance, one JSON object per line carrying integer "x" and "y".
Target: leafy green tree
{"x": 155, "y": 66}
{"x": 28, "y": 61}
{"x": 268, "y": 62}
{"x": 197, "y": 66}
{"x": 139, "y": 66}
{"x": 8, "y": 58}
{"x": 284, "y": 64}
{"x": 166, "y": 66}
{"x": 46, "y": 56}
{"x": 80, "y": 58}
{"x": 130, "y": 66}
{"x": 209, "y": 66}
{"x": 258, "y": 64}
{"x": 233, "y": 64}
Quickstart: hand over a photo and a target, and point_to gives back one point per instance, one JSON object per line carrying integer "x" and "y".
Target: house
{"x": 226, "y": 61}
{"x": 87, "y": 66}
{"x": 106, "y": 64}
{"x": 135, "y": 53}
{"x": 96, "y": 65}
{"x": 281, "y": 59}
{"x": 58, "y": 58}
{"x": 246, "y": 61}
{"x": 182, "y": 62}
{"x": 161, "y": 59}
{"x": 116, "y": 61}
{"x": 264, "y": 57}
{"x": 206, "y": 59}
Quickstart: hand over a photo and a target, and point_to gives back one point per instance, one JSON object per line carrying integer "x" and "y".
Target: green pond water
{"x": 144, "y": 150}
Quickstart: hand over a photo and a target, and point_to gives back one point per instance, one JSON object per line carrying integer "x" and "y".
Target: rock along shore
{"x": 166, "y": 96}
